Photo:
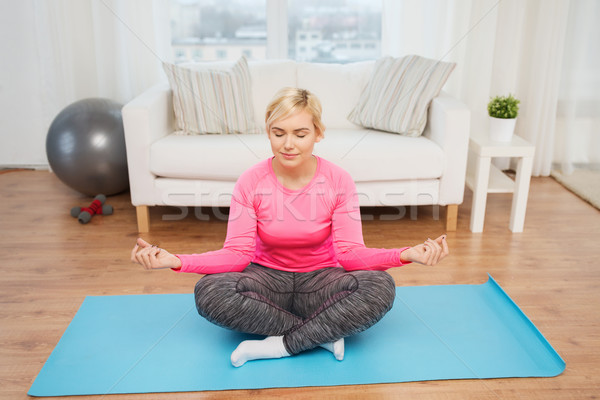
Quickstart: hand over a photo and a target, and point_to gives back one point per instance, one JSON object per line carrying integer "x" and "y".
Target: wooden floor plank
{"x": 50, "y": 262}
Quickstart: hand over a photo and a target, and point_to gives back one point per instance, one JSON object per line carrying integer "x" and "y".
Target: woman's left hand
{"x": 429, "y": 253}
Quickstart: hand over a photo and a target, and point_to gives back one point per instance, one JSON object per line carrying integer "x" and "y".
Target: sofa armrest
{"x": 146, "y": 118}
{"x": 448, "y": 125}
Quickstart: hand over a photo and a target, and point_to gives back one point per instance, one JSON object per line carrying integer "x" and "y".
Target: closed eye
{"x": 300, "y": 133}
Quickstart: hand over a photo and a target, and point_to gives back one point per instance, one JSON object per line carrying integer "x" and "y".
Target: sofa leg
{"x": 143, "y": 218}
{"x": 451, "y": 217}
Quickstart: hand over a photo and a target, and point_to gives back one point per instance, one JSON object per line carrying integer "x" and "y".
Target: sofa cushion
{"x": 367, "y": 155}
{"x": 398, "y": 94}
{"x": 338, "y": 86}
{"x": 211, "y": 99}
{"x": 216, "y": 157}
{"x": 268, "y": 76}
{"x": 370, "y": 155}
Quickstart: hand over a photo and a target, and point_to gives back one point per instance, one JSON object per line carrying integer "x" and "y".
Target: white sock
{"x": 337, "y": 348}
{"x": 270, "y": 347}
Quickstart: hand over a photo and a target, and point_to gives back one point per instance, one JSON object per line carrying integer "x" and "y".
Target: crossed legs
{"x": 296, "y": 311}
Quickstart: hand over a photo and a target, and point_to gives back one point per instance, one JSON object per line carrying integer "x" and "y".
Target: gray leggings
{"x": 307, "y": 308}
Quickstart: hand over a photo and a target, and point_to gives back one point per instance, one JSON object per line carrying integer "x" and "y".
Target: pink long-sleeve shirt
{"x": 302, "y": 230}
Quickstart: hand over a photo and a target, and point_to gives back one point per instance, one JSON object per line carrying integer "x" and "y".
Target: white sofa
{"x": 389, "y": 169}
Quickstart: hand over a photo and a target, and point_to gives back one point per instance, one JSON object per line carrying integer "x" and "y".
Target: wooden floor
{"x": 49, "y": 263}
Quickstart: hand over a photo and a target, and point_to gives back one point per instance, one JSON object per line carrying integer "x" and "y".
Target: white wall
{"x": 22, "y": 129}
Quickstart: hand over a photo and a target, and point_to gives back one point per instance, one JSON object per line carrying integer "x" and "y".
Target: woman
{"x": 294, "y": 221}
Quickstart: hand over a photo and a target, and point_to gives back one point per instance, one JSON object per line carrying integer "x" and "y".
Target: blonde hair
{"x": 288, "y": 101}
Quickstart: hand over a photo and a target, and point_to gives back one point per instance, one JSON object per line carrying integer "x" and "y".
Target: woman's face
{"x": 293, "y": 139}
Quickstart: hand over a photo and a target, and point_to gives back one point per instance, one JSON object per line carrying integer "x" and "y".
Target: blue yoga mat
{"x": 158, "y": 343}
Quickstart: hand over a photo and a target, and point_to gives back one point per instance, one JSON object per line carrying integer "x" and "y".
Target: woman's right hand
{"x": 429, "y": 253}
{"x": 152, "y": 257}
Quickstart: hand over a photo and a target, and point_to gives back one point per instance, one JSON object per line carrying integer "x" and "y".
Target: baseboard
{"x": 36, "y": 167}
{"x": 589, "y": 166}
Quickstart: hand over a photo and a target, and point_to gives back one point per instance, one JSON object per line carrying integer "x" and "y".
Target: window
{"x": 218, "y": 29}
{"x": 337, "y": 29}
{"x": 316, "y": 30}
{"x": 221, "y": 54}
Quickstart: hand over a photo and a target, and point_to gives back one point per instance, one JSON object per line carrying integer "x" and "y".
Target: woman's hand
{"x": 152, "y": 257}
{"x": 429, "y": 253}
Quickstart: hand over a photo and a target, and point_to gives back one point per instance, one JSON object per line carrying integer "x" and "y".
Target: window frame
{"x": 277, "y": 29}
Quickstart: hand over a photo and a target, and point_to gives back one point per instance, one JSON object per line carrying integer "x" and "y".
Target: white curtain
{"x": 99, "y": 48}
{"x": 500, "y": 47}
{"x": 578, "y": 115}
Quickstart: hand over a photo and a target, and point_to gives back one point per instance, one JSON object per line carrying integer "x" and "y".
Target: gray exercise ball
{"x": 86, "y": 147}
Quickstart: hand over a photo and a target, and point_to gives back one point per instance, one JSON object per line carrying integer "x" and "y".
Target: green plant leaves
{"x": 503, "y": 107}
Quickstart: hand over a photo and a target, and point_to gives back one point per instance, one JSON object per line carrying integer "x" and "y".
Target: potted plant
{"x": 503, "y": 113}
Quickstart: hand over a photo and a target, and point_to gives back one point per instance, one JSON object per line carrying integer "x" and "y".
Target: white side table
{"x": 483, "y": 177}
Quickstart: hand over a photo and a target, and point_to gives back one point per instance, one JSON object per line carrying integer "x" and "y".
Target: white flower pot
{"x": 501, "y": 129}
